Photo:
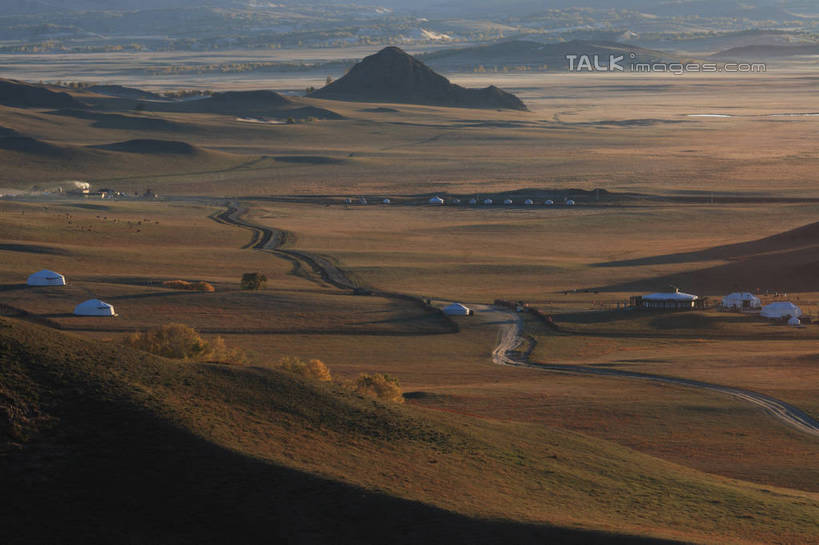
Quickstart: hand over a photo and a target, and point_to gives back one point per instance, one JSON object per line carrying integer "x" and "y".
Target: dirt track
{"x": 510, "y": 327}
{"x": 272, "y": 240}
{"x": 509, "y": 338}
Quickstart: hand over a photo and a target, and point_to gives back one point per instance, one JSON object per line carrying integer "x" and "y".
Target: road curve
{"x": 510, "y": 327}
{"x": 271, "y": 240}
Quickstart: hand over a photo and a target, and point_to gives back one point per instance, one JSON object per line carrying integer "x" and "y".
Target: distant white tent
{"x": 569, "y": 202}
{"x": 740, "y": 300}
{"x": 549, "y": 202}
{"x": 473, "y": 201}
{"x": 46, "y": 278}
{"x": 385, "y": 201}
{"x": 487, "y": 201}
{"x": 529, "y": 202}
{"x": 781, "y": 309}
{"x": 457, "y": 309}
{"x": 438, "y": 201}
{"x": 94, "y": 307}
{"x": 507, "y": 201}
{"x": 794, "y": 321}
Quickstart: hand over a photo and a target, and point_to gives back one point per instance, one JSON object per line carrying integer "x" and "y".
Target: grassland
{"x": 243, "y": 420}
{"x": 507, "y": 450}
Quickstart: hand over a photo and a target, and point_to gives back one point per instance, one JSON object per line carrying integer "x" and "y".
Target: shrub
{"x": 179, "y": 341}
{"x": 253, "y": 281}
{"x": 191, "y": 286}
{"x": 313, "y": 369}
{"x": 381, "y": 386}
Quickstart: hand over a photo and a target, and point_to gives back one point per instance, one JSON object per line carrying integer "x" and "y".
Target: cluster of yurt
{"x": 92, "y": 307}
{"x": 778, "y": 310}
{"x": 781, "y": 310}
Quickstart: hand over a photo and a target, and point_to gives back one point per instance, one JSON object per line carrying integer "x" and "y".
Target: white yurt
{"x": 487, "y": 201}
{"x": 385, "y": 201}
{"x": 740, "y": 300}
{"x": 457, "y": 309}
{"x": 549, "y": 202}
{"x": 94, "y": 307}
{"x": 46, "y": 278}
{"x": 674, "y": 300}
{"x": 529, "y": 202}
{"x": 436, "y": 200}
{"x": 780, "y": 309}
{"x": 569, "y": 202}
{"x": 507, "y": 201}
{"x": 794, "y": 321}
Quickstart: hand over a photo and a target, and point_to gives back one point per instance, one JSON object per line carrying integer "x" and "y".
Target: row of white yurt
{"x": 92, "y": 307}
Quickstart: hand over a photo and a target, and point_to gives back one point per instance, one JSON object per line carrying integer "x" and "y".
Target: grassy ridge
{"x": 109, "y": 444}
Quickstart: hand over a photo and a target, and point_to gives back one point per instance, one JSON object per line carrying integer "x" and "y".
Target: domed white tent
{"x": 385, "y": 201}
{"x": 487, "y": 201}
{"x": 570, "y": 203}
{"x": 438, "y": 201}
{"x": 507, "y": 201}
{"x": 781, "y": 309}
{"x": 457, "y": 309}
{"x": 529, "y": 202}
{"x": 794, "y": 321}
{"x": 46, "y": 278}
{"x": 94, "y": 307}
{"x": 549, "y": 202}
{"x": 740, "y": 300}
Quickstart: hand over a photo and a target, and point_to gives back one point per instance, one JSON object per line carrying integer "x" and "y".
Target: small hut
{"x": 94, "y": 307}
{"x": 457, "y": 309}
{"x": 46, "y": 278}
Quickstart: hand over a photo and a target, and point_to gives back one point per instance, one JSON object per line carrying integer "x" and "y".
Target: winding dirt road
{"x": 510, "y": 327}
{"x": 271, "y": 240}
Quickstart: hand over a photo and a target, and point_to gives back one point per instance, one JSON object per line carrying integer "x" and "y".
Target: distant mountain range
{"x": 391, "y": 75}
{"x": 531, "y": 54}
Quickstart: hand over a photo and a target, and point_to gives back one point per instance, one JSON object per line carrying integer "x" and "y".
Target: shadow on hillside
{"x": 789, "y": 240}
{"x": 109, "y": 469}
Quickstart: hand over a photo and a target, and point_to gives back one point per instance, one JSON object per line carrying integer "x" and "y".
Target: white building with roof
{"x": 457, "y": 309}
{"x": 46, "y": 278}
{"x": 781, "y": 309}
{"x": 673, "y": 300}
{"x": 741, "y": 300}
{"x": 94, "y": 307}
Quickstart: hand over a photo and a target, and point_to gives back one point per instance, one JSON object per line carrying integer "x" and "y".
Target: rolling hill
{"x": 24, "y": 95}
{"x": 787, "y": 261}
{"x": 552, "y": 56}
{"x": 102, "y": 444}
{"x": 391, "y": 75}
{"x": 261, "y": 103}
